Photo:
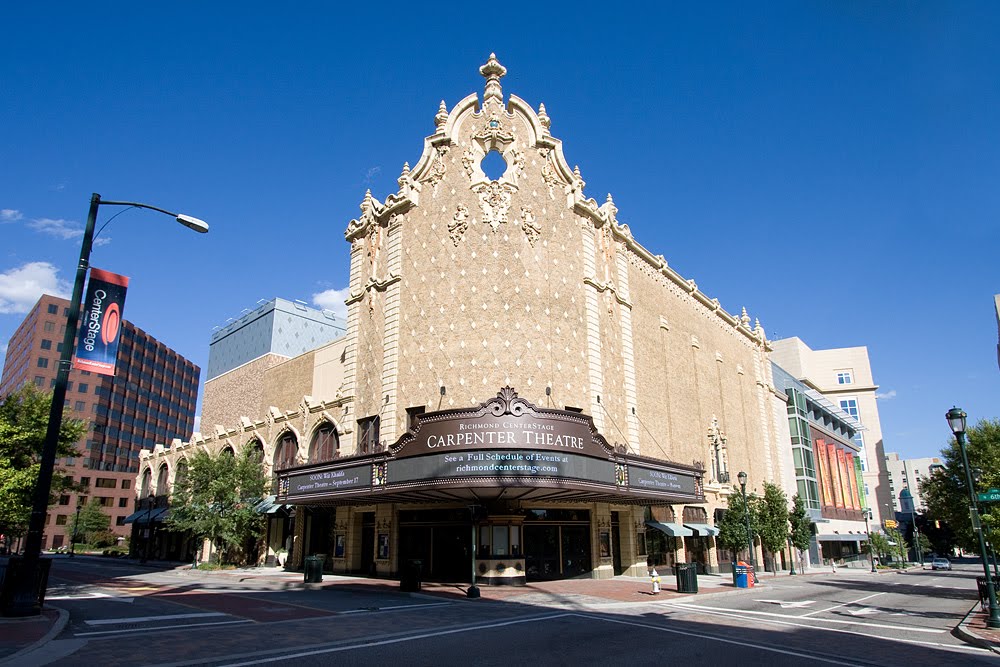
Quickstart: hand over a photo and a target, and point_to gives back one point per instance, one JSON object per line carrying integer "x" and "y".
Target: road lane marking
{"x": 146, "y": 619}
{"x": 838, "y": 606}
{"x": 790, "y": 605}
{"x": 92, "y": 596}
{"x": 861, "y": 612}
{"x": 397, "y": 640}
{"x": 160, "y": 628}
{"x": 959, "y": 647}
{"x": 694, "y": 607}
{"x": 401, "y": 607}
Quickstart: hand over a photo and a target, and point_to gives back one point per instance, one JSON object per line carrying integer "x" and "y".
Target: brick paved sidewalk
{"x": 973, "y": 630}
{"x": 17, "y": 634}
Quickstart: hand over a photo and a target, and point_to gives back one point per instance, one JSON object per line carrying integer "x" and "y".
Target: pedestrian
{"x": 833, "y": 564}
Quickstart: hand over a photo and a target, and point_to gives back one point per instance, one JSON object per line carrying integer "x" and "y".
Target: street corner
{"x": 972, "y": 629}
{"x": 21, "y": 636}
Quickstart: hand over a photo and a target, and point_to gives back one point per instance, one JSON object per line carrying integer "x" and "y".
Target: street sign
{"x": 991, "y": 496}
{"x": 891, "y": 523}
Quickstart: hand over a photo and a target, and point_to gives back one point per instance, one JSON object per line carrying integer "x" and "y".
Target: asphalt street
{"x": 124, "y": 615}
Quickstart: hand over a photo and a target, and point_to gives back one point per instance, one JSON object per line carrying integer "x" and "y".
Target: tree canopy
{"x": 946, "y": 491}
{"x": 801, "y": 524}
{"x": 91, "y": 522}
{"x": 217, "y": 498}
{"x": 24, "y": 419}
{"x": 772, "y": 519}
{"x": 732, "y": 527}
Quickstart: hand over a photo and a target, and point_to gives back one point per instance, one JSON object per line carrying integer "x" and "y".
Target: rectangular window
{"x": 39, "y": 381}
{"x": 84, "y": 481}
{"x": 79, "y": 406}
{"x": 64, "y": 500}
{"x": 123, "y": 502}
{"x": 46, "y": 344}
{"x": 120, "y": 521}
{"x": 126, "y": 484}
{"x": 368, "y": 429}
{"x": 105, "y": 501}
{"x": 43, "y": 362}
{"x": 61, "y": 520}
{"x": 845, "y": 377}
{"x": 105, "y": 483}
{"x": 82, "y": 387}
{"x": 49, "y": 327}
{"x": 53, "y": 309}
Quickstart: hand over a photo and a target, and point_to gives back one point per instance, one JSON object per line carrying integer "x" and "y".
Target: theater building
{"x": 522, "y": 389}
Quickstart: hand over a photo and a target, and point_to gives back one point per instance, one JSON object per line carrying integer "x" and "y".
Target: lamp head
{"x": 191, "y": 222}
{"x": 742, "y": 476}
{"x": 956, "y": 420}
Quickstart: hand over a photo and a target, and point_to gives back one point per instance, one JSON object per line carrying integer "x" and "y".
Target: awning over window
{"x": 142, "y": 517}
{"x": 269, "y": 506}
{"x": 702, "y": 529}
{"x": 670, "y": 529}
{"x": 847, "y": 537}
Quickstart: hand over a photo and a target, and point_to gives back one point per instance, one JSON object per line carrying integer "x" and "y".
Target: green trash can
{"x": 687, "y": 577}
{"x": 314, "y": 569}
{"x": 410, "y": 579}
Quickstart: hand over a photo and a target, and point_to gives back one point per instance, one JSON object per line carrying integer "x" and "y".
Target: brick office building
{"x": 151, "y": 398}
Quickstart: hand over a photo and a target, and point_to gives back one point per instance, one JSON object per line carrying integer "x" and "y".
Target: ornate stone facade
{"x": 460, "y": 284}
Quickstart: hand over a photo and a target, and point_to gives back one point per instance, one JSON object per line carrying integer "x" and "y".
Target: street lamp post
{"x": 871, "y": 554}
{"x": 956, "y": 420}
{"x": 742, "y": 476}
{"x": 916, "y": 537}
{"x": 30, "y": 573}
{"x": 791, "y": 555}
{"x": 76, "y": 527}
{"x": 149, "y": 527}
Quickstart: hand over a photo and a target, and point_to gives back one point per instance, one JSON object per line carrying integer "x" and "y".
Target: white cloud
{"x": 332, "y": 299}
{"x": 886, "y": 395}
{"x": 10, "y": 215}
{"x": 102, "y": 240}
{"x": 20, "y": 288}
{"x": 61, "y": 229}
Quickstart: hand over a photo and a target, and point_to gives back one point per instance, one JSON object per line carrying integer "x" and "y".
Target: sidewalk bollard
{"x": 655, "y": 578}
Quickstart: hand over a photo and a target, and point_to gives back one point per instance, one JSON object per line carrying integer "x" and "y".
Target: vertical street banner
{"x": 835, "y": 475}
{"x": 824, "y": 471}
{"x": 859, "y": 475}
{"x": 101, "y": 323}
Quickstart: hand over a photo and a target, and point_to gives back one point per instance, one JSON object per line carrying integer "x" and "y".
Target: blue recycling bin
{"x": 742, "y": 577}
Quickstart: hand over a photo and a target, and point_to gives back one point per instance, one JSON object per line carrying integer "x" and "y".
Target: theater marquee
{"x": 504, "y": 446}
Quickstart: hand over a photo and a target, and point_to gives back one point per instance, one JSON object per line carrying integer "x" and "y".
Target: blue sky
{"x": 832, "y": 166}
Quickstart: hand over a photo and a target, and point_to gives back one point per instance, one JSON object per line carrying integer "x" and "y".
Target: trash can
{"x": 984, "y": 593}
{"x": 409, "y": 579}
{"x": 741, "y": 576}
{"x": 314, "y": 569}
{"x": 687, "y": 577}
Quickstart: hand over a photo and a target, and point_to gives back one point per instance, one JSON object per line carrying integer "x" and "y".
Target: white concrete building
{"x": 844, "y": 376}
{"x": 908, "y": 474}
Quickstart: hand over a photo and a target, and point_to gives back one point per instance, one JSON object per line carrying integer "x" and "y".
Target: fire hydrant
{"x": 655, "y": 578}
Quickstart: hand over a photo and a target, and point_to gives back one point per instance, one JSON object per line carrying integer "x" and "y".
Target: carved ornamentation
{"x": 442, "y": 115}
{"x": 493, "y": 133}
{"x": 495, "y": 199}
{"x": 492, "y": 71}
{"x": 459, "y": 224}
{"x": 438, "y": 167}
{"x": 469, "y": 161}
{"x": 529, "y": 226}
{"x": 517, "y": 160}
{"x": 506, "y": 402}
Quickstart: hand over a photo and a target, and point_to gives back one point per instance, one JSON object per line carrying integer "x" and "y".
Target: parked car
{"x": 940, "y": 564}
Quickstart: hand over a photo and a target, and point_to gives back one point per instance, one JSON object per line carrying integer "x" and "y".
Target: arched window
{"x": 284, "y": 453}
{"x": 147, "y": 480}
{"x": 257, "y": 447}
{"x": 161, "y": 480}
{"x": 182, "y": 471}
{"x": 325, "y": 444}
{"x": 228, "y": 451}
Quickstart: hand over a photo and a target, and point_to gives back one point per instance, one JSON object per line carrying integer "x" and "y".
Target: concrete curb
{"x": 969, "y": 636}
{"x": 53, "y": 632}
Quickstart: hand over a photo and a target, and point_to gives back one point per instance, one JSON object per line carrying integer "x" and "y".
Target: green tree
{"x": 24, "y": 419}
{"x": 895, "y": 536}
{"x": 732, "y": 527}
{"x": 217, "y": 499}
{"x": 879, "y": 545}
{"x": 946, "y": 491}
{"x": 772, "y": 520}
{"x": 92, "y": 521}
{"x": 801, "y": 524}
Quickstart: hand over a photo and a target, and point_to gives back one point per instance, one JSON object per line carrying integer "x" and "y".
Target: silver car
{"x": 940, "y": 564}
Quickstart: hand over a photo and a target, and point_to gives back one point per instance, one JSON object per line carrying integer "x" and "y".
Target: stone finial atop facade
{"x": 543, "y": 117}
{"x": 745, "y": 319}
{"x": 442, "y": 115}
{"x": 610, "y": 210}
{"x": 405, "y": 175}
{"x": 493, "y": 70}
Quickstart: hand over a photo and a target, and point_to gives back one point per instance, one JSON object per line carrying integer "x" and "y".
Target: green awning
{"x": 670, "y": 529}
{"x": 702, "y": 529}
